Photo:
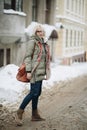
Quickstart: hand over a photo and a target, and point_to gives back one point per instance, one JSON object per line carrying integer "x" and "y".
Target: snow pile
{"x": 11, "y": 89}
{"x": 61, "y": 73}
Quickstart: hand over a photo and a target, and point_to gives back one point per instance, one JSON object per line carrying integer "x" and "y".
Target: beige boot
{"x": 36, "y": 116}
{"x": 19, "y": 117}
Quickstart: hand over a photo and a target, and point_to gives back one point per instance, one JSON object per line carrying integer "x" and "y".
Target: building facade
{"x": 12, "y": 25}
{"x": 15, "y": 16}
{"x": 68, "y": 16}
{"x": 72, "y": 43}
{"x": 42, "y": 11}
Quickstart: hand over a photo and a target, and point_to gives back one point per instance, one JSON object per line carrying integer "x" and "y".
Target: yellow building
{"x": 72, "y": 43}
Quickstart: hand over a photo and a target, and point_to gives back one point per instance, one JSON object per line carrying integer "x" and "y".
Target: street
{"x": 64, "y": 107}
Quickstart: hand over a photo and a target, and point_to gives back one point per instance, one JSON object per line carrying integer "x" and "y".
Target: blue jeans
{"x": 35, "y": 92}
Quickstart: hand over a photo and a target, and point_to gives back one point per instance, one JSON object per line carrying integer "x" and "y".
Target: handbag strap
{"x": 38, "y": 59}
{"x": 33, "y": 51}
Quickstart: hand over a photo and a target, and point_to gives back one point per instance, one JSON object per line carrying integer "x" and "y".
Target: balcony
{"x": 11, "y": 27}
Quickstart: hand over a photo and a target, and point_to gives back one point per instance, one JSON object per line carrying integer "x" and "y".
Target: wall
{"x": 12, "y": 24}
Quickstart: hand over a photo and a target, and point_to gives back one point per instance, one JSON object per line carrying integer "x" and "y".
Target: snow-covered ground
{"x": 11, "y": 89}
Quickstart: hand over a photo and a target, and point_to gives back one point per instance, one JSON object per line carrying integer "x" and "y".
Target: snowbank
{"x": 11, "y": 89}
{"x": 61, "y": 73}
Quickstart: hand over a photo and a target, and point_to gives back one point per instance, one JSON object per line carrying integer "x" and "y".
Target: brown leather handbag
{"x": 22, "y": 74}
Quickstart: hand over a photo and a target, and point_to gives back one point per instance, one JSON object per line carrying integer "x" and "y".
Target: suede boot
{"x": 20, "y": 113}
{"x": 19, "y": 117}
{"x": 36, "y": 116}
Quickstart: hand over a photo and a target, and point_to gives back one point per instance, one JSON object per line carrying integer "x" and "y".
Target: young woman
{"x": 37, "y": 62}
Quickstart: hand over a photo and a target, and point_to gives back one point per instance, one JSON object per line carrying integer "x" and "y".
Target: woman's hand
{"x": 29, "y": 76}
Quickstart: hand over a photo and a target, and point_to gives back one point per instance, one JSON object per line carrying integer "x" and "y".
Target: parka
{"x": 37, "y": 57}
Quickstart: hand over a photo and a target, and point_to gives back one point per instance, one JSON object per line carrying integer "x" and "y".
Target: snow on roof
{"x": 11, "y": 11}
{"x": 30, "y": 29}
{"x": 48, "y": 29}
{"x": 59, "y": 25}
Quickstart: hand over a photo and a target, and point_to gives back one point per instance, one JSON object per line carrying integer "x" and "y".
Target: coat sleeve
{"x": 28, "y": 55}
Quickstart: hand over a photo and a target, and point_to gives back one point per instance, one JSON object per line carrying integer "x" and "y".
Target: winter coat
{"x": 37, "y": 54}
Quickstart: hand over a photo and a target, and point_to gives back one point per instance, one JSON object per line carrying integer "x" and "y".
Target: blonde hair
{"x": 37, "y": 27}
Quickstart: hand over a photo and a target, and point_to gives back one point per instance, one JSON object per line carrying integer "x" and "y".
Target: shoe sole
{"x": 37, "y": 119}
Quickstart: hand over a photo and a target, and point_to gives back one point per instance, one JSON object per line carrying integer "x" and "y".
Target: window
{"x": 79, "y": 6}
{"x": 81, "y": 38}
{"x": 48, "y": 10}
{"x": 7, "y": 4}
{"x": 1, "y": 57}
{"x": 75, "y": 38}
{"x": 67, "y": 4}
{"x": 19, "y": 5}
{"x": 67, "y": 38}
{"x": 34, "y": 10}
{"x": 70, "y": 38}
{"x": 78, "y": 38}
{"x": 8, "y": 56}
{"x": 13, "y": 4}
{"x": 83, "y": 7}
{"x": 74, "y": 5}
{"x": 5, "y": 56}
